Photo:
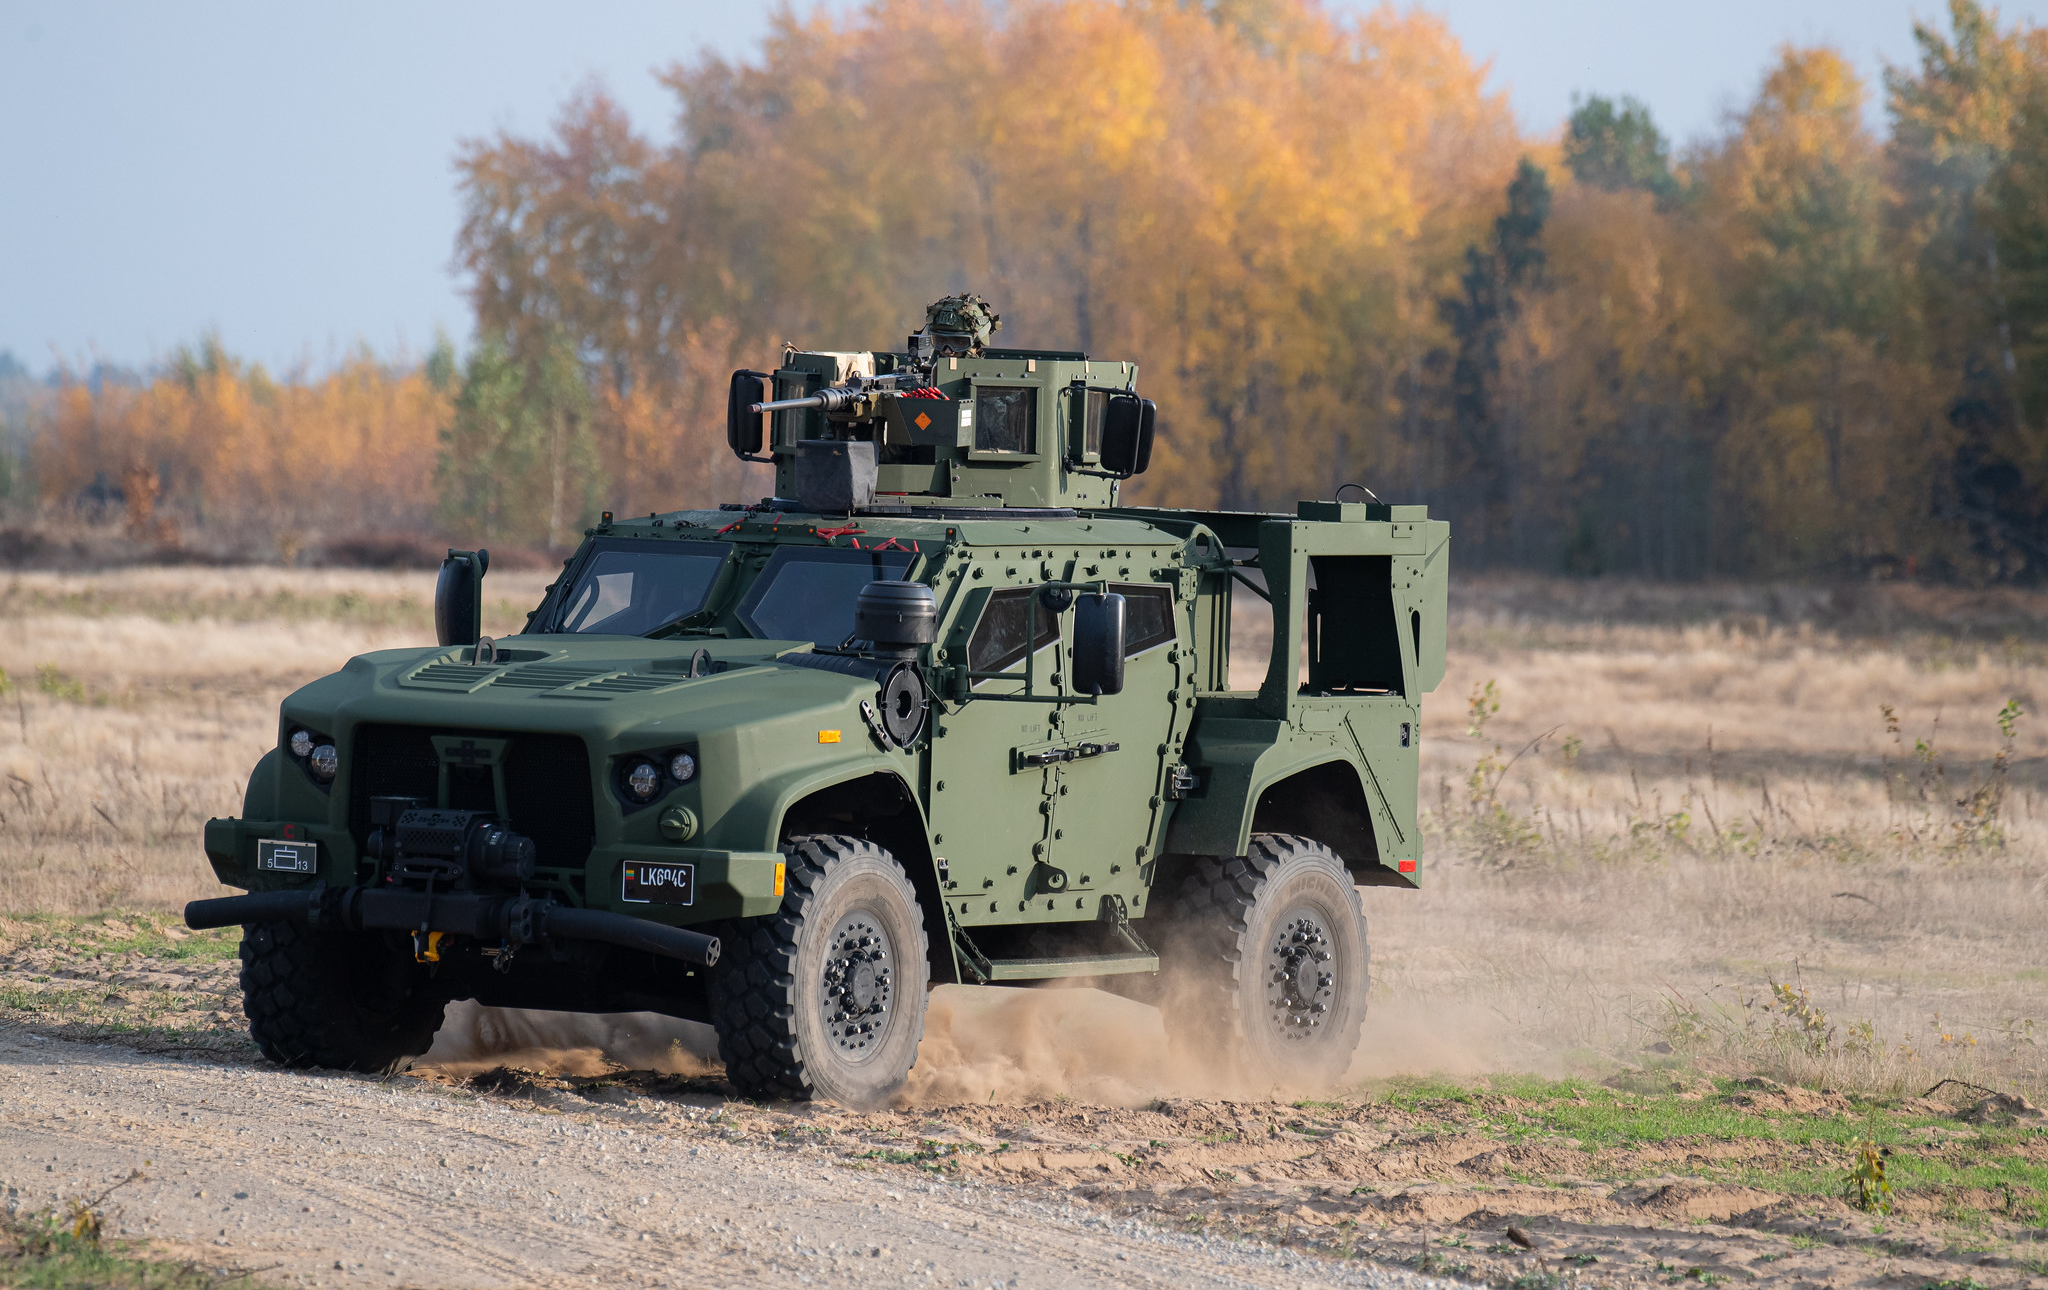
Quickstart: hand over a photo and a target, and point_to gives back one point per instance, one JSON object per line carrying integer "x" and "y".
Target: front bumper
{"x": 729, "y": 884}
{"x": 513, "y": 919}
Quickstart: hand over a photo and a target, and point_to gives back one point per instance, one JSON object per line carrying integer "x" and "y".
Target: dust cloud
{"x": 474, "y": 1039}
{"x": 1002, "y": 1045}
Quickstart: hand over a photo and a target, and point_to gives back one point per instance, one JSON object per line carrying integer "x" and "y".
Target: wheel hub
{"x": 1300, "y": 985}
{"x": 857, "y": 985}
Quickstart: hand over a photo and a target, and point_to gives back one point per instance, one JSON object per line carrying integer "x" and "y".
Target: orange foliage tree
{"x": 216, "y": 444}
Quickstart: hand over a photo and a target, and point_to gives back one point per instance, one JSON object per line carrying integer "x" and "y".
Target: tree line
{"x": 1795, "y": 346}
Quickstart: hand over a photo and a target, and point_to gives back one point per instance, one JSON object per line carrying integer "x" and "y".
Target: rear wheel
{"x": 343, "y": 1000}
{"x": 826, "y": 998}
{"x": 1274, "y": 949}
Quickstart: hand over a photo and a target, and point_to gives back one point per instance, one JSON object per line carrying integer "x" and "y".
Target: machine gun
{"x": 858, "y": 397}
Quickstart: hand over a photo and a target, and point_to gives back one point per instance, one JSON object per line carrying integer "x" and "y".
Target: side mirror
{"x": 746, "y": 431}
{"x": 1127, "y": 435}
{"x": 459, "y": 597}
{"x": 1098, "y": 662}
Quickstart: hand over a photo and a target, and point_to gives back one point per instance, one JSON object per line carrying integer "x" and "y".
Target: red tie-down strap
{"x": 833, "y": 533}
{"x": 894, "y": 544}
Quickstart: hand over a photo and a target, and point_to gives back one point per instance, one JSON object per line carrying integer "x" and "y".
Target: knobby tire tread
{"x": 288, "y": 997}
{"x": 754, "y": 1001}
{"x": 1213, "y": 912}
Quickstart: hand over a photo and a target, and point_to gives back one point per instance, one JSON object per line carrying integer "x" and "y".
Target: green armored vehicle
{"x": 942, "y": 711}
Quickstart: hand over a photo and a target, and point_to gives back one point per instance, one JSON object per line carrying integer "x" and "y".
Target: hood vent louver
{"x": 453, "y": 676}
{"x": 549, "y": 676}
{"x": 630, "y": 683}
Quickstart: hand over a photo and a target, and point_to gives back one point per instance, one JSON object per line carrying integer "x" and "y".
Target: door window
{"x": 1011, "y": 615}
{"x": 1148, "y": 615}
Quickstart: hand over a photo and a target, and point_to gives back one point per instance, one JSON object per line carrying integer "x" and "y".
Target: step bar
{"x": 988, "y": 971}
{"x": 1087, "y": 965}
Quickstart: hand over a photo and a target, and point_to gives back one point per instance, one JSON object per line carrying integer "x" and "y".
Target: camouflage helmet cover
{"x": 961, "y": 324}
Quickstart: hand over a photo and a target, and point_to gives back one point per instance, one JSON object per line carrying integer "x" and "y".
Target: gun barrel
{"x": 834, "y": 398}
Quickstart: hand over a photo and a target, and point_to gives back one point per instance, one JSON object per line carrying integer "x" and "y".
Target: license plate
{"x": 288, "y": 857}
{"x": 658, "y": 884}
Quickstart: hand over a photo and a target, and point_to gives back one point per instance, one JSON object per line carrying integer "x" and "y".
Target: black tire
{"x": 1248, "y": 931}
{"x": 849, "y": 938}
{"x": 342, "y": 1000}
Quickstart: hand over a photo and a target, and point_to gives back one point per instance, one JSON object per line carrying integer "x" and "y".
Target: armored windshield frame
{"x": 555, "y": 609}
{"x": 747, "y": 610}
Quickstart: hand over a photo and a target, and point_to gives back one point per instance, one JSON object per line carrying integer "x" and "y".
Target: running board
{"x": 1092, "y": 965}
{"x": 987, "y": 971}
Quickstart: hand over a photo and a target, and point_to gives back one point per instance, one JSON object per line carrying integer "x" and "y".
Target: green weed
{"x": 62, "y": 1248}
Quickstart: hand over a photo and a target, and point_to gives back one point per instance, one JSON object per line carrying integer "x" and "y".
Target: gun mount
{"x": 950, "y": 420}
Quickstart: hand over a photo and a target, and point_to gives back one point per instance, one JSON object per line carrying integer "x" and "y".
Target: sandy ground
{"x": 336, "y": 1180}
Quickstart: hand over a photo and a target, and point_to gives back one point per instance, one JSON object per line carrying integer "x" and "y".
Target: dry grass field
{"x": 1681, "y": 844}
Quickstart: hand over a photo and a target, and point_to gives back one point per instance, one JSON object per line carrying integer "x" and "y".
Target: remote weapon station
{"x": 940, "y": 711}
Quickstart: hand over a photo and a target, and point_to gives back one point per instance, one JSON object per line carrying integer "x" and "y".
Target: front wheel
{"x": 343, "y": 1000}
{"x": 1272, "y": 946}
{"x": 826, "y": 997}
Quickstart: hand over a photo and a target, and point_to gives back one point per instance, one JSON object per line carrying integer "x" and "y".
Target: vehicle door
{"x": 990, "y": 814}
{"x": 1109, "y": 805}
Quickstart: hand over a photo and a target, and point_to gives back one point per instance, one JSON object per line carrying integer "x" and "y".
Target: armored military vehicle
{"x": 943, "y": 710}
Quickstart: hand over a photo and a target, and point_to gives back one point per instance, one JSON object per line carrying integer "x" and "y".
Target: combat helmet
{"x": 961, "y": 325}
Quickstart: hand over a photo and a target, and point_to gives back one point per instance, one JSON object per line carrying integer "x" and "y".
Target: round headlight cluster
{"x": 643, "y": 781}
{"x": 324, "y": 761}
{"x": 315, "y": 753}
{"x": 682, "y": 767}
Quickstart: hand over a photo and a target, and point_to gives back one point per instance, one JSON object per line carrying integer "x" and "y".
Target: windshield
{"x": 633, "y": 586}
{"x": 807, "y": 593}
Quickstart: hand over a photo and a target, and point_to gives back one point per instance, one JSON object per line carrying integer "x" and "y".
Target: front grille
{"x": 547, "y": 785}
{"x": 547, "y": 782}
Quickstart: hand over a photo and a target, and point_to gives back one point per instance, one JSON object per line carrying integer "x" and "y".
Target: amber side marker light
{"x": 828, "y": 736}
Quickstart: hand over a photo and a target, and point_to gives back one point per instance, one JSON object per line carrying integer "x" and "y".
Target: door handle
{"x": 1053, "y": 756}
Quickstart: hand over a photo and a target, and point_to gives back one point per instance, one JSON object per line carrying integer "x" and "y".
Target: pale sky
{"x": 281, "y": 174}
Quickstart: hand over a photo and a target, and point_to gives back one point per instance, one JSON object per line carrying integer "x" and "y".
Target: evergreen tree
{"x": 1497, "y": 276}
{"x": 1617, "y": 146}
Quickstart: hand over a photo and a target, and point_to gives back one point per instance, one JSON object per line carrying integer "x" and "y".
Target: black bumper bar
{"x": 513, "y": 918}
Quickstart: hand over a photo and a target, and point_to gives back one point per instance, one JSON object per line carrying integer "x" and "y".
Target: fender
{"x": 1244, "y": 757}
{"x": 754, "y": 821}
{"x": 259, "y": 802}
{"x": 758, "y": 819}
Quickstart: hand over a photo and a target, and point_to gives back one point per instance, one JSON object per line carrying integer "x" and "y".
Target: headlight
{"x": 643, "y": 781}
{"x": 302, "y": 743}
{"x": 324, "y": 761}
{"x": 682, "y": 767}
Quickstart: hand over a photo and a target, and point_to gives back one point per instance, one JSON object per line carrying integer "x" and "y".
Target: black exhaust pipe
{"x": 521, "y": 919}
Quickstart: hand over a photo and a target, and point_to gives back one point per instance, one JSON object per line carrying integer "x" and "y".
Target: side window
{"x": 1009, "y": 616}
{"x": 1006, "y": 420}
{"x": 1148, "y": 615}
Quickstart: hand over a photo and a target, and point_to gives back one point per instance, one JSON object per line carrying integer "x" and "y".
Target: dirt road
{"x": 338, "y": 1180}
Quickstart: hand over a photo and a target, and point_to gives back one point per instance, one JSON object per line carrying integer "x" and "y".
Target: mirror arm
{"x": 1257, "y": 590}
